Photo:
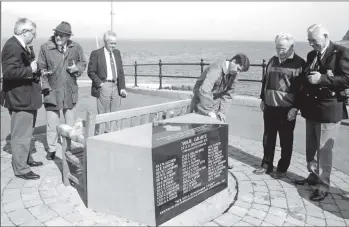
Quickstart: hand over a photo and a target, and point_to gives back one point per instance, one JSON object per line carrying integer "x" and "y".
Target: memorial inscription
{"x": 189, "y": 161}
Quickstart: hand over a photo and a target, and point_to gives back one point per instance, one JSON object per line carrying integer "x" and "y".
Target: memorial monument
{"x": 151, "y": 173}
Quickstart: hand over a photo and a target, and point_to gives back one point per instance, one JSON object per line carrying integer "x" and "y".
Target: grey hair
{"x": 318, "y": 28}
{"x": 285, "y": 36}
{"x": 22, "y": 25}
{"x": 108, "y": 34}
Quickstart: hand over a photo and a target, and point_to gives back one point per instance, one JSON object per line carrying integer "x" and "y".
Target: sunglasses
{"x": 60, "y": 34}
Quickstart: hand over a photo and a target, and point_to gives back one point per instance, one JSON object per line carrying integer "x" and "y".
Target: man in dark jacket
{"x": 61, "y": 61}
{"x": 21, "y": 95}
{"x": 321, "y": 102}
{"x": 107, "y": 74}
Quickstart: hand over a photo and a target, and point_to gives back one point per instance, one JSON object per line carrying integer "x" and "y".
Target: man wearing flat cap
{"x": 60, "y": 61}
{"x": 216, "y": 86}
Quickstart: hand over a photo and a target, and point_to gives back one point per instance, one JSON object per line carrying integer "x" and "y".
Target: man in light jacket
{"x": 215, "y": 87}
{"x": 61, "y": 61}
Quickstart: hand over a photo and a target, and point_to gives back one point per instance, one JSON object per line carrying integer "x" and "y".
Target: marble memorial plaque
{"x": 189, "y": 165}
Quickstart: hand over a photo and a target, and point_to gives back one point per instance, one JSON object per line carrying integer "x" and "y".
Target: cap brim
{"x": 62, "y": 32}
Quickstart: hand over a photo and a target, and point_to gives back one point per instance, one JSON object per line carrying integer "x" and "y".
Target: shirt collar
{"x": 20, "y": 40}
{"x": 106, "y": 50}
{"x": 227, "y": 66}
{"x": 289, "y": 57}
{"x": 65, "y": 47}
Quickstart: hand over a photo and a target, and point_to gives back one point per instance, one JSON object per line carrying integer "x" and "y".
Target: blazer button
{"x": 315, "y": 97}
{"x": 307, "y": 94}
{"x": 320, "y": 88}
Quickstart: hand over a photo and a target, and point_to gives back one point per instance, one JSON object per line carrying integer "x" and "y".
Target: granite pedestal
{"x": 153, "y": 172}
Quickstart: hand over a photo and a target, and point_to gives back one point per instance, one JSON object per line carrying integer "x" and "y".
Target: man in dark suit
{"x": 107, "y": 74}
{"x": 21, "y": 95}
{"x": 321, "y": 101}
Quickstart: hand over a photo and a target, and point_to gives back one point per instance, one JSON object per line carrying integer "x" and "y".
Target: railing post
{"x": 263, "y": 68}
{"x": 202, "y": 65}
{"x": 136, "y": 74}
{"x": 160, "y": 73}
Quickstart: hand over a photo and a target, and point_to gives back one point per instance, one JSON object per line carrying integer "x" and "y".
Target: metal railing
{"x": 160, "y": 75}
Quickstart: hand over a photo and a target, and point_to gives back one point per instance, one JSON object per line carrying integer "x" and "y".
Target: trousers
{"x": 320, "y": 141}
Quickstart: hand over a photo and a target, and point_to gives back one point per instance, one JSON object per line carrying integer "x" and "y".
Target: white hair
{"x": 22, "y": 25}
{"x": 108, "y": 34}
{"x": 318, "y": 28}
{"x": 285, "y": 36}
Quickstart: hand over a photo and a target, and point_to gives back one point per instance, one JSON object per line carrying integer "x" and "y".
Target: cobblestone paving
{"x": 261, "y": 200}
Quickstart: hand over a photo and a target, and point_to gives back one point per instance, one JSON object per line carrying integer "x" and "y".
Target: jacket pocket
{"x": 19, "y": 97}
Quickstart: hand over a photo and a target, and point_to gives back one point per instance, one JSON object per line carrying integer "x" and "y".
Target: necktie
{"x": 318, "y": 62}
{"x": 27, "y": 49}
{"x": 112, "y": 66}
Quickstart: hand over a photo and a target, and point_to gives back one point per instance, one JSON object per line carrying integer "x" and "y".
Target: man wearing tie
{"x": 21, "y": 95}
{"x": 321, "y": 102}
{"x": 107, "y": 74}
{"x": 61, "y": 61}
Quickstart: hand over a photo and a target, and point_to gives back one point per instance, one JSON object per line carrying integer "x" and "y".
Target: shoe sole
{"x": 27, "y": 178}
{"x": 312, "y": 184}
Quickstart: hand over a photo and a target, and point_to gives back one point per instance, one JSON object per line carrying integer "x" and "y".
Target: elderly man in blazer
{"x": 107, "y": 74}
{"x": 21, "y": 95}
{"x": 321, "y": 101}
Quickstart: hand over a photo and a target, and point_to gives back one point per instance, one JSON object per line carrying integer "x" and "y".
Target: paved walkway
{"x": 260, "y": 200}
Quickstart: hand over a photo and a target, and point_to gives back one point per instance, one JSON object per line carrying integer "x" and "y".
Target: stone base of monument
{"x": 207, "y": 210}
{"x": 172, "y": 172}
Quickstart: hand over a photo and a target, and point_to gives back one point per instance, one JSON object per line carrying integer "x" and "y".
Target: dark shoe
{"x": 318, "y": 195}
{"x": 34, "y": 163}
{"x": 304, "y": 181}
{"x": 278, "y": 175}
{"x": 261, "y": 170}
{"x": 29, "y": 176}
{"x": 51, "y": 155}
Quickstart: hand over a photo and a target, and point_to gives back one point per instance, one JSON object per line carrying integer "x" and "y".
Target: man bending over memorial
{"x": 216, "y": 86}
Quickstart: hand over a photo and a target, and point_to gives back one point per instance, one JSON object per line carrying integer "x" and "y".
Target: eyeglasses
{"x": 31, "y": 31}
{"x": 60, "y": 35}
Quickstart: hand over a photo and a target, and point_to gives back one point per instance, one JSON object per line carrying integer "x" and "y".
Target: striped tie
{"x": 112, "y": 66}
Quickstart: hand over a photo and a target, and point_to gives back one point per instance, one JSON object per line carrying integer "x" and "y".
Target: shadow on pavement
{"x": 303, "y": 191}
{"x": 36, "y": 131}
{"x": 73, "y": 169}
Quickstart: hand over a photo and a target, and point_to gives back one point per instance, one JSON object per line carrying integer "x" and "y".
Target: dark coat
{"x": 323, "y": 102}
{"x": 97, "y": 70}
{"x": 62, "y": 85}
{"x": 21, "y": 90}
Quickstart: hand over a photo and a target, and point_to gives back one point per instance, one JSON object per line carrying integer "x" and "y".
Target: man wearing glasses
{"x": 21, "y": 95}
{"x": 60, "y": 61}
{"x": 277, "y": 104}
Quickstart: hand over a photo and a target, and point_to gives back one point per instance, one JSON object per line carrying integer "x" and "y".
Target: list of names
{"x": 166, "y": 186}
